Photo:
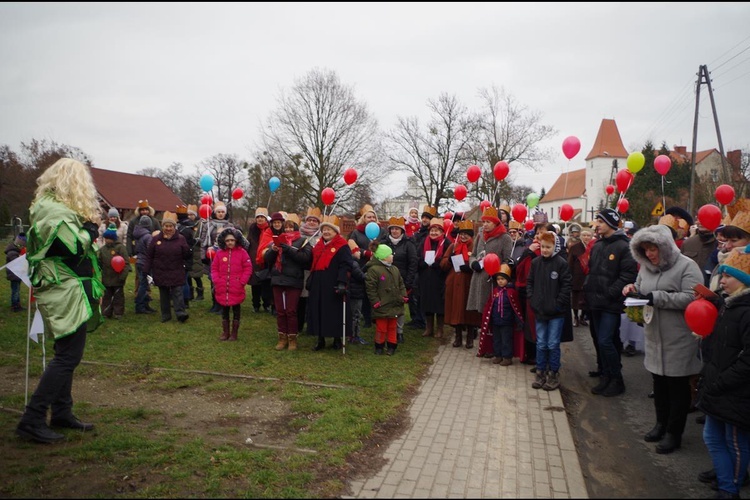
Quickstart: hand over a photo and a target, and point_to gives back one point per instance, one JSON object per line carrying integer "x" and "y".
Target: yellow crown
{"x": 430, "y": 210}
{"x": 181, "y": 209}
{"x": 741, "y": 205}
{"x": 169, "y": 217}
{"x": 505, "y": 208}
{"x": 193, "y": 208}
{"x": 465, "y": 225}
{"x": 261, "y": 211}
{"x": 143, "y": 204}
{"x": 331, "y": 220}
{"x": 514, "y": 224}
{"x": 397, "y": 222}
{"x": 366, "y": 208}
{"x": 490, "y": 212}
{"x": 438, "y": 222}
{"x": 315, "y": 213}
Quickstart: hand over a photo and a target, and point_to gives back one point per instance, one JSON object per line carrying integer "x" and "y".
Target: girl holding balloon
{"x": 114, "y": 261}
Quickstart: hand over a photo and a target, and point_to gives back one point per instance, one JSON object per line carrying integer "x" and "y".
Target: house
{"x": 399, "y": 206}
{"x": 123, "y": 190}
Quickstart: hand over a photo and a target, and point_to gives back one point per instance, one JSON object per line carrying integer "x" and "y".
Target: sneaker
{"x": 539, "y": 380}
{"x": 552, "y": 382}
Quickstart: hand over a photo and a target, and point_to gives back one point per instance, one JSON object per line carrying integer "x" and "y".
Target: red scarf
{"x": 266, "y": 238}
{"x": 323, "y": 253}
{"x": 285, "y": 239}
{"x": 498, "y": 231}
{"x": 463, "y": 248}
{"x": 440, "y": 246}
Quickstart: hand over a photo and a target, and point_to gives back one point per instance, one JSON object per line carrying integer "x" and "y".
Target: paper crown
{"x": 505, "y": 208}
{"x": 218, "y": 204}
{"x": 169, "y": 217}
{"x": 261, "y": 211}
{"x": 514, "y": 224}
{"x": 437, "y": 222}
{"x": 143, "y": 204}
{"x": 192, "y": 209}
{"x": 741, "y": 205}
{"x": 315, "y": 213}
{"x": 397, "y": 222}
{"x": 669, "y": 221}
{"x": 366, "y": 208}
{"x": 429, "y": 210}
{"x": 741, "y": 221}
{"x": 465, "y": 225}
{"x": 737, "y": 265}
{"x": 294, "y": 218}
{"x": 331, "y": 221}
{"x": 181, "y": 209}
{"x": 505, "y": 270}
{"x": 490, "y": 212}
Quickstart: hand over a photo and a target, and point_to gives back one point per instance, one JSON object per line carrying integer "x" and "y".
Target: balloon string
{"x": 565, "y": 189}
{"x": 663, "y": 198}
{"x": 268, "y": 205}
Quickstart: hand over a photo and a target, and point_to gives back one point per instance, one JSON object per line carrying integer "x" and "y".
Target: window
{"x": 715, "y": 174}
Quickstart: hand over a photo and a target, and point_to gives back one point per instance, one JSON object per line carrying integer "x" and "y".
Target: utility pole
{"x": 703, "y": 78}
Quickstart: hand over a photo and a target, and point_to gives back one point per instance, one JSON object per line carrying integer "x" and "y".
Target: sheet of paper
{"x": 458, "y": 261}
{"x": 429, "y": 257}
{"x": 632, "y": 301}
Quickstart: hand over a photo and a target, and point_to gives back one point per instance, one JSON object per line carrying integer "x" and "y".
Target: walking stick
{"x": 343, "y": 327}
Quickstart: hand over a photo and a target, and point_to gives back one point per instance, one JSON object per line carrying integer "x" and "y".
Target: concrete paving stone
{"x": 461, "y": 474}
{"x": 526, "y": 493}
{"x": 405, "y": 487}
{"x": 393, "y": 478}
{"x": 457, "y": 487}
{"x": 399, "y": 465}
{"x": 422, "y": 451}
{"x": 559, "y": 485}
{"x": 556, "y": 472}
{"x": 474, "y": 493}
{"x": 386, "y": 491}
{"x": 438, "y": 491}
{"x": 412, "y": 474}
{"x": 373, "y": 483}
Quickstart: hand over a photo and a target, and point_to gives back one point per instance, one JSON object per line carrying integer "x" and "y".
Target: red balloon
{"x": 237, "y": 194}
{"x": 662, "y": 164}
{"x": 724, "y": 194}
{"x": 205, "y": 211}
{"x": 483, "y": 205}
{"x": 571, "y": 146}
{"x": 501, "y": 170}
{"x": 709, "y": 216}
{"x": 491, "y": 263}
{"x": 350, "y": 176}
{"x": 623, "y": 205}
{"x": 610, "y": 189}
{"x": 327, "y": 196}
{"x": 624, "y": 180}
{"x": 473, "y": 173}
{"x": 206, "y": 199}
{"x": 211, "y": 253}
{"x": 566, "y": 212}
{"x": 118, "y": 263}
{"x": 448, "y": 215}
{"x": 700, "y": 316}
{"x": 518, "y": 212}
{"x": 528, "y": 225}
{"x": 459, "y": 192}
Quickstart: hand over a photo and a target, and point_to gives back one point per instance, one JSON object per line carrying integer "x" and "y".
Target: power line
{"x": 727, "y": 52}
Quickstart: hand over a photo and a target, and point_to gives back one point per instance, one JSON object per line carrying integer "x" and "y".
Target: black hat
{"x": 610, "y": 217}
{"x": 680, "y": 212}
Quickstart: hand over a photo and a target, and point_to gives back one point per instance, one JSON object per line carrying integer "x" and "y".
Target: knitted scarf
{"x": 463, "y": 248}
{"x": 440, "y": 246}
{"x": 323, "y": 252}
{"x": 498, "y": 231}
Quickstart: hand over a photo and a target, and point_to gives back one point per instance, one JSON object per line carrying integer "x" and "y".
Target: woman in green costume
{"x": 66, "y": 277}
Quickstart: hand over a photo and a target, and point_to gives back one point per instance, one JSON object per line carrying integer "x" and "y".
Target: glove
{"x": 476, "y": 267}
{"x": 511, "y": 263}
{"x": 92, "y": 229}
{"x": 465, "y": 268}
{"x": 406, "y": 299}
{"x": 649, "y": 297}
{"x": 341, "y": 289}
{"x": 366, "y": 254}
{"x": 376, "y": 305}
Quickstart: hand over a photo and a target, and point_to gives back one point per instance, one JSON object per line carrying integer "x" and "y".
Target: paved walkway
{"x": 479, "y": 430}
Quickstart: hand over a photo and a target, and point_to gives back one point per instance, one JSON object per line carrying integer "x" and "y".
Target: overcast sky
{"x": 145, "y": 84}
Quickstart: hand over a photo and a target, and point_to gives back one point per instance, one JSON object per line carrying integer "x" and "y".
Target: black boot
{"x": 379, "y": 349}
{"x": 668, "y": 443}
{"x": 470, "y": 336}
{"x": 336, "y": 343}
{"x": 199, "y": 292}
{"x": 656, "y": 433}
{"x": 459, "y": 337}
{"x": 400, "y": 338}
{"x": 320, "y": 345}
{"x": 603, "y": 384}
{"x": 391, "y": 350}
{"x": 615, "y": 387}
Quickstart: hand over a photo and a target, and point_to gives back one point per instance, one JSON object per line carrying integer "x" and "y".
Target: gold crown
{"x": 143, "y": 204}
{"x": 430, "y": 210}
{"x": 331, "y": 220}
{"x": 169, "y": 217}
{"x": 438, "y": 222}
{"x": 490, "y": 212}
{"x": 397, "y": 222}
{"x": 465, "y": 225}
{"x": 293, "y": 217}
{"x": 669, "y": 221}
{"x": 505, "y": 208}
{"x": 261, "y": 211}
{"x": 315, "y": 213}
{"x": 741, "y": 205}
{"x": 738, "y": 259}
{"x": 505, "y": 269}
{"x": 181, "y": 209}
{"x": 514, "y": 224}
{"x": 366, "y": 208}
{"x": 742, "y": 221}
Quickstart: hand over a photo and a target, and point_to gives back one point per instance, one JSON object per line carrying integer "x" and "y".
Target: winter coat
{"x": 295, "y": 258}
{"x": 142, "y": 236}
{"x": 196, "y": 268}
{"x": 700, "y": 247}
{"x": 253, "y": 238}
{"x": 431, "y": 281}
{"x": 577, "y": 272}
{"x": 611, "y": 267}
{"x": 210, "y": 230}
{"x": 548, "y": 286}
{"x": 457, "y": 286}
{"x": 167, "y": 260}
{"x": 230, "y": 271}
{"x": 122, "y": 232}
{"x": 481, "y": 285}
{"x": 12, "y": 252}
{"x": 106, "y": 253}
{"x": 360, "y": 239}
{"x": 670, "y": 348}
{"x": 724, "y": 391}
{"x": 133, "y": 223}
{"x": 384, "y": 285}
{"x": 325, "y": 311}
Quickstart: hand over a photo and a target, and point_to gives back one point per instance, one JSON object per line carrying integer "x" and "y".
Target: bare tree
{"x": 229, "y": 173}
{"x": 436, "y": 155}
{"x": 320, "y": 129}
{"x": 511, "y": 132}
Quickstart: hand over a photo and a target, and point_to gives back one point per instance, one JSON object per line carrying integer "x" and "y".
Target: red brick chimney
{"x": 681, "y": 150}
{"x": 735, "y": 158}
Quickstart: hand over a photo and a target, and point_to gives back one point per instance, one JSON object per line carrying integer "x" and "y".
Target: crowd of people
{"x": 303, "y": 271}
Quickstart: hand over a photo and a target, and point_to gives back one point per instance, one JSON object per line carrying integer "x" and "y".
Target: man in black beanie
{"x": 611, "y": 267}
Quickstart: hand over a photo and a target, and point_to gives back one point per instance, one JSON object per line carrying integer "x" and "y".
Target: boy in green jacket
{"x": 387, "y": 293}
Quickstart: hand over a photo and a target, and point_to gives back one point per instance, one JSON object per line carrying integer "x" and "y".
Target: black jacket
{"x": 611, "y": 267}
{"x": 548, "y": 287}
{"x": 294, "y": 260}
{"x": 724, "y": 391}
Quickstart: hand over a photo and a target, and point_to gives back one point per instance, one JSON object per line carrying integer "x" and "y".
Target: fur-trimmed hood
{"x": 661, "y": 236}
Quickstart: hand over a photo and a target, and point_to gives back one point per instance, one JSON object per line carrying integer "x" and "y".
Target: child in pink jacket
{"x": 230, "y": 271}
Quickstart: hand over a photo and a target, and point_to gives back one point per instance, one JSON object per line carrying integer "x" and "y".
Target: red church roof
{"x": 608, "y": 142}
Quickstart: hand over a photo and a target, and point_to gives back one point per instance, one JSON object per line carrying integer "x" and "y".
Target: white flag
{"x": 19, "y": 267}
{"x": 37, "y": 327}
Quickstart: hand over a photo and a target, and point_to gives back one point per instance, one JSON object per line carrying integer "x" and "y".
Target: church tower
{"x": 606, "y": 158}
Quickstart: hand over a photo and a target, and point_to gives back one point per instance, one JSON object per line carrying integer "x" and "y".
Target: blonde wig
{"x": 69, "y": 182}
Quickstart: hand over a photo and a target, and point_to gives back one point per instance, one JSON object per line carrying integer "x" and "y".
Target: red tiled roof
{"x": 568, "y": 185}
{"x": 681, "y": 155}
{"x": 608, "y": 141}
{"x": 123, "y": 190}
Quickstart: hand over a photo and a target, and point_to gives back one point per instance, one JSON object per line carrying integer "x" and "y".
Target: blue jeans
{"x": 607, "y": 327}
{"x": 548, "y": 333}
{"x": 15, "y": 293}
{"x": 140, "y": 295}
{"x": 502, "y": 341}
{"x": 729, "y": 448}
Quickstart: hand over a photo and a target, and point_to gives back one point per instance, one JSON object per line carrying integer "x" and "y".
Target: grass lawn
{"x": 175, "y": 404}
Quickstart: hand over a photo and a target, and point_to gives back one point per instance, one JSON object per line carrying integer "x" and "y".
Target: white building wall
{"x": 598, "y": 172}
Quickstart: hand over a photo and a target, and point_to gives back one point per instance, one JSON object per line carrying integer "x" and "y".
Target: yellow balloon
{"x": 636, "y": 160}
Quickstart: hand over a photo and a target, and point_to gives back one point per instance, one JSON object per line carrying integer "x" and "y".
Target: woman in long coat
{"x": 332, "y": 265}
{"x": 457, "y": 285}
{"x": 431, "y": 278}
{"x": 666, "y": 279}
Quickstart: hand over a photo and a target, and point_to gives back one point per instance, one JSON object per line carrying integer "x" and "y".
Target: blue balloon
{"x": 372, "y": 230}
{"x": 207, "y": 182}
{"x": 273, "y": 184}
